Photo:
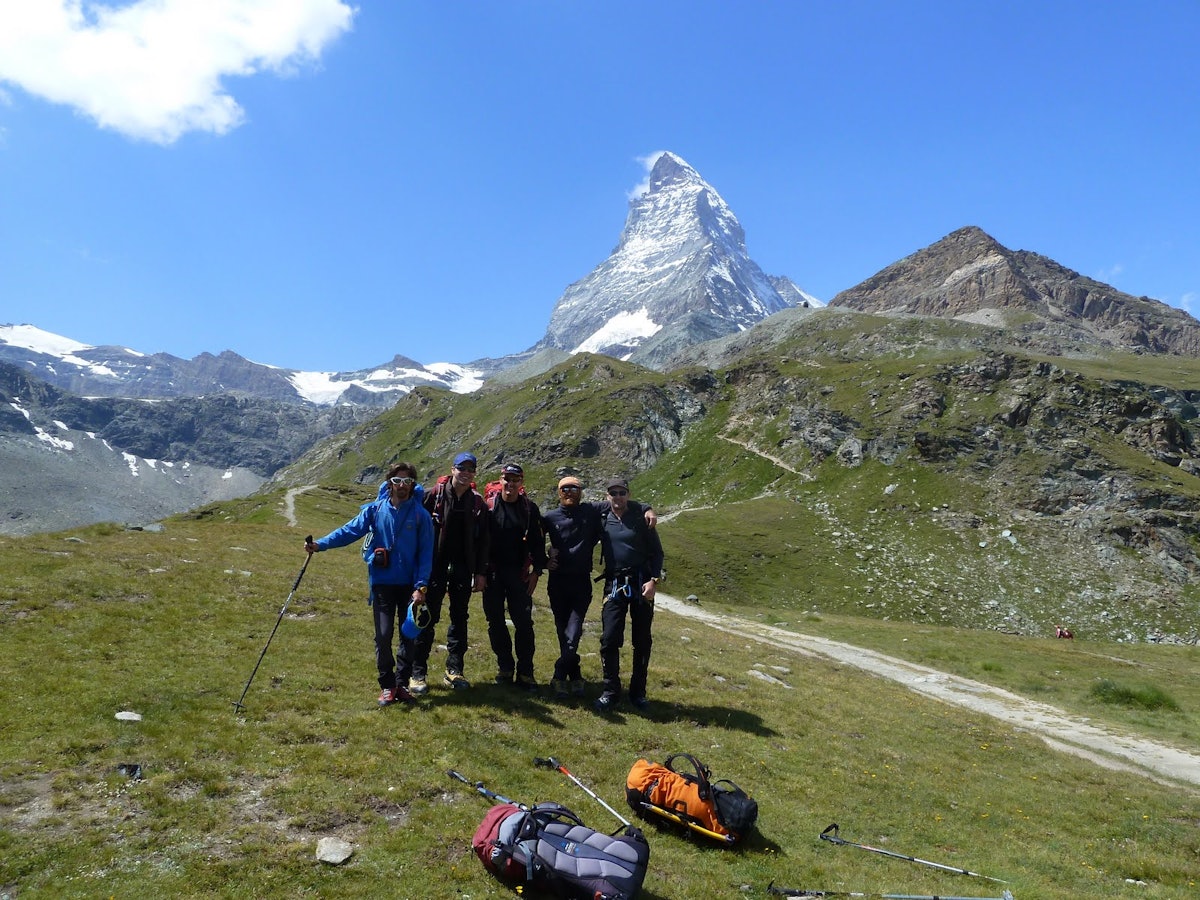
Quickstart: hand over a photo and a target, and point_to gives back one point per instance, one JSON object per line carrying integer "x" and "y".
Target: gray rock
{"x": 333, "y": 850}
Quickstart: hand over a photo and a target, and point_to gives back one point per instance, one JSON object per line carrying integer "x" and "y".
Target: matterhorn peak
{"x": 679, "y": 274}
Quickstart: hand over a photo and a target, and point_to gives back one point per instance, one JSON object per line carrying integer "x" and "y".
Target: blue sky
{"x": 321, "y": 187}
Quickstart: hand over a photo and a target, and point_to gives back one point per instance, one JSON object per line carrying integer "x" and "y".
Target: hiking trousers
{"x": 570, "y": 596}
{"x": 388, "y": 601}
{"x": 506, "y": 590}
{"x": 622, "y": 598}
{"x": 458, "y": 586}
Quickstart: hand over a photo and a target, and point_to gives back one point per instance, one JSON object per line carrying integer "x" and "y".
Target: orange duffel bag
{"x": 717, "y": 809}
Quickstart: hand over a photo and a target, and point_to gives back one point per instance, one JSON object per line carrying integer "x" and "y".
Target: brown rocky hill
{"x": 969, "y": 275}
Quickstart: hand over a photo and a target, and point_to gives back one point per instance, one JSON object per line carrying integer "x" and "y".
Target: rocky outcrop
{"x": 969, "y": 275}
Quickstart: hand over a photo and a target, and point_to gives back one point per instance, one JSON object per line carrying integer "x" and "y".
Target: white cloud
{"x": 153, "y": 69}
{"x": 1191, "y": 302}
{"x": 647, "y": 162}
{"x": 1111, "y": 274}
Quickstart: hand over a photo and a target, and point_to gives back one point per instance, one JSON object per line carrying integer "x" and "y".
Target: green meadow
{"x": 170, "y": 624}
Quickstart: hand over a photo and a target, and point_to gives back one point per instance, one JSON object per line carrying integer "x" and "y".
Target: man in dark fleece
{"x": 460, "y": 559}
{"x": 517, "y": 560}
{"x": 633, "y": 558}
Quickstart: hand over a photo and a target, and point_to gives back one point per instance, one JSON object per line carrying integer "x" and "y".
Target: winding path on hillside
{"x": 1104, "y": 746}
{"x": 767, "y": 456}
{"x": 289, "y": 503}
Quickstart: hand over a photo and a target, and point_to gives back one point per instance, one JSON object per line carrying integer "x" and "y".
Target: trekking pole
{"x": 553, "y": 763}
{"x": 491, "y": 795}
{"x": 798, "y": 892}
{"x": 831, "y": 834}
{"x": 238, "y": 707}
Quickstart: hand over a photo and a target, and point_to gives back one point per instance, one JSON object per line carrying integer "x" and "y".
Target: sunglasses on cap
{"x": 399, "y": 480}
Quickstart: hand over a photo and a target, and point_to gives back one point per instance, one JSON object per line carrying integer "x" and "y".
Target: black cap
{"x": 512, "y": 469}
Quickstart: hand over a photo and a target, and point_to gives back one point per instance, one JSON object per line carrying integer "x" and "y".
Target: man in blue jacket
{"x": 399, "y": 557}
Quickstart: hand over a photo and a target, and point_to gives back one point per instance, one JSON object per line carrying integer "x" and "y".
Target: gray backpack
{"x": 548, "y": 847}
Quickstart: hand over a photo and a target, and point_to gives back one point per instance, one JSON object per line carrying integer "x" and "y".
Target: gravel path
{"x": 1070, "y": 734}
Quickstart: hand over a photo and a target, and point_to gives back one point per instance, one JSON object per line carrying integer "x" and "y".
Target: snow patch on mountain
{"x": 626, "y": 328}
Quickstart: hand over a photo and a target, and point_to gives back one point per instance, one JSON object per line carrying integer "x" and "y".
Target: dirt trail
{"x": 289, "y": 503}
{"x": 1061, "y": 730}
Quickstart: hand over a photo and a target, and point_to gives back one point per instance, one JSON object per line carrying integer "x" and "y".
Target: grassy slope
{"x": 171, "y": 624}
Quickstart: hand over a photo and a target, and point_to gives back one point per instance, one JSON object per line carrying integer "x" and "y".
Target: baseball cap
{"x": 512, "y": 469}
{"x": 465, "y": 458}
{"x": 616, "y": 482}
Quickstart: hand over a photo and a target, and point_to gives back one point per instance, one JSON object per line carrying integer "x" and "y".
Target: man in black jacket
{"x": 460, "y": 560}
{"x": 518, "y": 558}
{"x": 633, "y": 558}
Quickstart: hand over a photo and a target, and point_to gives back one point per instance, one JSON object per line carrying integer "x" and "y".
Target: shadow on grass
{"x": 754, "y": 842}
{"x": 541, "y": 707}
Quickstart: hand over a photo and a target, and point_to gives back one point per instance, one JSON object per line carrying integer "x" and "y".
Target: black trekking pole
{"x": 831, "y": 834}
{"x": 238, "y": 707}
{"x": 799, "y": 892}
{"x": 553, "y": 763}
{"x": 491, "y": 795}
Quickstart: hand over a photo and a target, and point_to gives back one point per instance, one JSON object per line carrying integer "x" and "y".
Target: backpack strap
{"x": 702, "y": 776}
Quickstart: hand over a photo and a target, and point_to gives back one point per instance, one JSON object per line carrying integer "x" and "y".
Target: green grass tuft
{"x": 1141, "y": 697}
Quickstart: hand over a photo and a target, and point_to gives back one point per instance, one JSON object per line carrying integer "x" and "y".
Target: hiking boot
{"x": 417, "y": 686}
{"x": 561, "y": 688}
{"x": 387, "y": 697}
{"x": 504, "y": 676}
{"x": 456, "y": 681}
{"x": 402, "y": 695}
{"x": 527, "y": 683}
{"x": 578, "y": 687}
{"x": 640, "y": 702}
{"x": 606, "y": 702}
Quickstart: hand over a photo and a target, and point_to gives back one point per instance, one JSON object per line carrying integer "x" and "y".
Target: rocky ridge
{"x": 969, "y": 275}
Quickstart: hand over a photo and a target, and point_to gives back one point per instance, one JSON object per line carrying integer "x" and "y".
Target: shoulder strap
{"x": 702, "y": 776}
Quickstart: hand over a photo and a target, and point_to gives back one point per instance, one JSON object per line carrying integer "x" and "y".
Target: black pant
{"x": 457, "y": 584}
{"x": 570, "y": 596}
{"x": 388, "y": 601}
{"x": 506, "y": 589}
{"x": 624, "y": 595}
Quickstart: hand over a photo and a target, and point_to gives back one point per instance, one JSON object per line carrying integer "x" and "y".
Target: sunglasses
{"x": 398, "y": 480}
{"x": 514, "y": 477}
{"x": 618, "y": 493}
{"x": 570, "y": 489}
{"x": 470, "y": 470}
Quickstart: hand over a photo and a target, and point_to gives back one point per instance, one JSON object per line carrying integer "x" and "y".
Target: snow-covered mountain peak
{"x": 679, "y": 273}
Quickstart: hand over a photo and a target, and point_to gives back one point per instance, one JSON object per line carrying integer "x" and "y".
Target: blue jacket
{"x": 407, "y": 533}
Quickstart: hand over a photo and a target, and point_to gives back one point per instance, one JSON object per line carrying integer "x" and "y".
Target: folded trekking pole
{"x": 491, "y": 795}
{"x": 238, "y": 707}
{"x": 831, "y": 834}
{"x": 553, "y": 763}
{"x": 799, "y": 892}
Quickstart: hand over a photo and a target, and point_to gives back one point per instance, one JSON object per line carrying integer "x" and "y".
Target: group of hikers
{"x": 424, "y": 546}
